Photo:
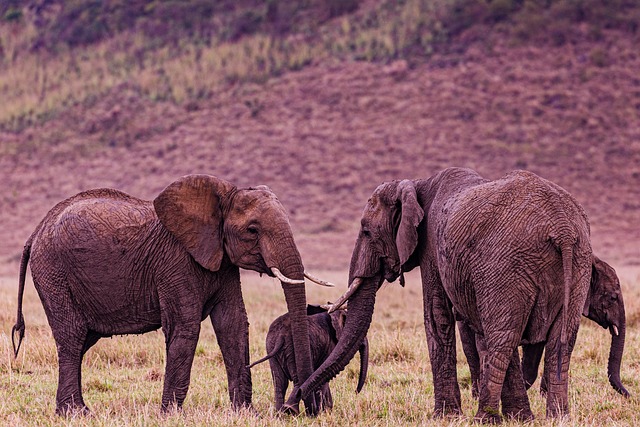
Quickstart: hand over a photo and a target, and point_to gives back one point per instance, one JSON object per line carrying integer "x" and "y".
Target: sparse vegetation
{"x": 122, "y": 376}
{"x": 145, "y": 103}
{"x": 61, "y": 53}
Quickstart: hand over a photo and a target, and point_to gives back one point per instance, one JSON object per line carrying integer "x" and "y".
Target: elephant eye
{"x": 366, "y": 233}
{"x": 252, "y": 229}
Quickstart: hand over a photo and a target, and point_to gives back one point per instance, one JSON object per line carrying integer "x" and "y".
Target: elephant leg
{"x": 515, "y": 402}
{"x": 469, "y": 347}
{"x": 181, "y": 341}
{"x": 231, "y": 325}
{"x": 557, "y": 385}
{"x": 280, "y": 383}
{"x": 531, "y": 356}
{"x": 90, "y": 341}
{"x": 440, "y": 328}
{"x": 70, "y": 333}
{"x": 494, "y": 369}
{"x": 326, "y": 400}
{"x": 545, "y": 380}
{"x": 500, "y": 373}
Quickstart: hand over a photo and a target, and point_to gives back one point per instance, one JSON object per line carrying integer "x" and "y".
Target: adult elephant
{"x": 512, "y": 257}
{"x": 105, "y": 263}
{"x": 604, "y": 305}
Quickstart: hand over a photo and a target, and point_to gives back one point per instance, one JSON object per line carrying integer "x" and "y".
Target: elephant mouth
{"x": 390, "y": 269}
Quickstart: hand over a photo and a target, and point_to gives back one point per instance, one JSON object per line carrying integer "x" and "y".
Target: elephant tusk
{"x": 285, "y": 279}
{"x": 328, "y": 306}
{"x": 318, "y": 281}
{"x": 353, "y": 287}
{"x": 615, "y": 330}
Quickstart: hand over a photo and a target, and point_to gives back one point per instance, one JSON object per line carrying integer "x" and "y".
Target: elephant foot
{"x": 447, "y": 411}
{"x": 249, "y": 410}
{"x": 72, "y": 410}
{"x": 170, "y": 407}
{"x": 290, "y": 409}
{"x": 521, "y": 415}
{"x": 488, "y": 415}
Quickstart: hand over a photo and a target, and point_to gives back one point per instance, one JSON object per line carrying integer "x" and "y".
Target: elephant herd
{"x": 509, "y": 262}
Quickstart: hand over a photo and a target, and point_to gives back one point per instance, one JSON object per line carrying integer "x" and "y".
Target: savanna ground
{"x": 322, "y": 113}
{"x": 122, "y": 376}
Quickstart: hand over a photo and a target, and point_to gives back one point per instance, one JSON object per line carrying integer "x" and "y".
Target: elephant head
{"x": 384, "y": 248}
{"x": 605, "y": 306}
{"x": 213, "y": 219}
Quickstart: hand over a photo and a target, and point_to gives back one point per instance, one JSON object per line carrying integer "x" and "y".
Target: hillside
{"x": 324, "y": 136}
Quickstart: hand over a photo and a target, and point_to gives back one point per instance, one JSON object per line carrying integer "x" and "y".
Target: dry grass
{"x": 122, "y": 376}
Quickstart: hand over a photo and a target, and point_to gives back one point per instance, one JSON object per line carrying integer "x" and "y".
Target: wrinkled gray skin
{"x": 512, "y": 257}
{"x": 325, "y": 330}
{"x": 604, "y": 305}
{"x": 105, "y": 263}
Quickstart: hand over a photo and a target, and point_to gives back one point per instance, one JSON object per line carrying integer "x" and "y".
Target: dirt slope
{"x": 325, "y": 137}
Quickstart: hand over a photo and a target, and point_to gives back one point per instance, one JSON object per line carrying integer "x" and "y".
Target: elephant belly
{"x": 101, "y": 246}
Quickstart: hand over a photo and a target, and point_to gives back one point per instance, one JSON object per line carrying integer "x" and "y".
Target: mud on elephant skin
{"x": 324, "y": 332}
{"x": 105, "y": 263}
{"x": 604, "y": 305}
{"x": 520, "y": 238}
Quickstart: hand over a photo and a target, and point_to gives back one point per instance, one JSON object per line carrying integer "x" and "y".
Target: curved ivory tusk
{"x": 329, "y": 306}
{"x": 352, "y": 288}
{"x": 285, "y": 279}
{"x": 615, "y": 330}
{"x": 318, "y": 281}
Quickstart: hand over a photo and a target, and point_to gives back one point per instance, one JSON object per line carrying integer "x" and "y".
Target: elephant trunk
{"x": 295, "y": 296}
{"x": 615, "y": 355}
{"x": 355, "y": 330}
{"x": 364, "y": 364}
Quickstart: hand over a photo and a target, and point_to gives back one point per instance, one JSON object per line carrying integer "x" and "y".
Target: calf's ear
{"x": 338, "y": 318}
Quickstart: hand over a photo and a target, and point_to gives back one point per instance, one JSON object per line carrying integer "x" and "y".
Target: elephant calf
{"x": 324, "y": 332}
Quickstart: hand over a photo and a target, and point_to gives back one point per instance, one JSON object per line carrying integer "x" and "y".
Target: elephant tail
{"x": 567, "y": 272}
{"x": 275, "y": 351}
{"x": 19, "y": 326}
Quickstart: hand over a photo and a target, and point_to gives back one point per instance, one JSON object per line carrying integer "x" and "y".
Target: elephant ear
{"x": 411, "y": 215}
{"x": 594, "y": 284}
{"x": 315, "y": 309}
{"x": 338, "y": 318}
{"x": 190, "y": 209}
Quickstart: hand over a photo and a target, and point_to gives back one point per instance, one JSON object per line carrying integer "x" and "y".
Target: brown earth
{"x": 323, "y": 138}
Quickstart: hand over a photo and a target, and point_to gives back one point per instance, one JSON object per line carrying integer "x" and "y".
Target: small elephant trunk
{"x": 615, "y": 356}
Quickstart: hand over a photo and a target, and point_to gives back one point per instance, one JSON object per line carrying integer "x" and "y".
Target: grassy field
{"x": 122, "y": 376}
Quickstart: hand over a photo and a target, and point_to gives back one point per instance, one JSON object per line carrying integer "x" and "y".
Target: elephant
{"x": 511, "y": 257}
{"x": 105, "y": 263}
{"x": 604, "y": 305}
{"x": 325, "y": 331}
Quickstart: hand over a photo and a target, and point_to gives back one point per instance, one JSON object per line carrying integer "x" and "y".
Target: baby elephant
{"x": 324, "y": 331}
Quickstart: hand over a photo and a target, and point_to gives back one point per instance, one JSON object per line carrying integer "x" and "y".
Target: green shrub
{"x": 12, "y": 15}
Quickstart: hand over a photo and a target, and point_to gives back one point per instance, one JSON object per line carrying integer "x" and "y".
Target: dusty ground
{"x": 325, "y": 137}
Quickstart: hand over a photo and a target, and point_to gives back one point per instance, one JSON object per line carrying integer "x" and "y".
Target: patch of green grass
{"x": 202, "y": 49}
